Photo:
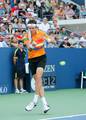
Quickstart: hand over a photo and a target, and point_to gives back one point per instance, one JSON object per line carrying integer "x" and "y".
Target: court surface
{"x": 66, "y": 104}
{"x": 72, "y": 117}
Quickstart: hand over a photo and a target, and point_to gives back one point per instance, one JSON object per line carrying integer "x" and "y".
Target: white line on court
{"x": 70, "y": 116}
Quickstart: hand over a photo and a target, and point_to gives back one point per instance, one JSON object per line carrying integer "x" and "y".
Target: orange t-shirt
{"x": 39, "y": 39}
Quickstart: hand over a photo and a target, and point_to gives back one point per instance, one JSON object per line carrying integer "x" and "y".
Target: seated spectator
{"x": 63, "y": 32}
{"x": 21, "y": 13}
{"x": 15, "y": 24}
{"x": 69, "y": 12}
{"x": 82, "y": 41}
{"x": 83, "y": 11}
{"x": 10, "y": 28}
{"x": 73, "y": 40}
{"x": 44, "y": 25}
{"x": 30, "y": 8}
{"x": 21, "y": 24}
{"x": 3, "y": 30}
{"x": 59, "y": 12}
{"x": 76, "y": 10}
{"x": 2, "y": 9}
{"x": 22, "y": 4}
{"x": 3, "y": 42}
{"x": 65, "y": 43}
{"x": 54, "y": 3}
{"x": 7, "y": 6}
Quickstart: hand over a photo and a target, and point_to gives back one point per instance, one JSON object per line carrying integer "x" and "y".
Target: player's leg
{"x": 40, "y": 89}
{"x": 39, "y": 92}
{"x": 33, "y": 103}
{"x": 38, "y": 70}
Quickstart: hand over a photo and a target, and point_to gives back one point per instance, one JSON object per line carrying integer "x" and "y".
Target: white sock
{"x": 43, "y": 99}
{"x": 35, "y": 99}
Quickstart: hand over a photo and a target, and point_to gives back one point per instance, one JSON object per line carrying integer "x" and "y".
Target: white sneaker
{"x": 17, "y": 91}
{"x": 46, "y": 108}
{"x": 30, "y": 106}
{"x": 22, "y": 91}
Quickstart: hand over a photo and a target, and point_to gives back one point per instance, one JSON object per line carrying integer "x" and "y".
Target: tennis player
{"x": 34, "y": 41}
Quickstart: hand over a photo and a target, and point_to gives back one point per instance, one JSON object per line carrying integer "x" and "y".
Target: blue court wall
{"x": 68, "y": 63}
{"x": 6, "y": 70}
{"x": 62, "y": 69}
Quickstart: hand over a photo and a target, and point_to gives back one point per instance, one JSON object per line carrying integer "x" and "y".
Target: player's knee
{"x": 38, "y": 77}
{"x": 38, "y": 82}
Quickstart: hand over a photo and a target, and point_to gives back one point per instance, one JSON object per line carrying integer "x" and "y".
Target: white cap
{"x": 65, "y": 37}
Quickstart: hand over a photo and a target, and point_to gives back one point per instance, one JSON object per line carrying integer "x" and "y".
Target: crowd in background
{"x": 14, "y": 18}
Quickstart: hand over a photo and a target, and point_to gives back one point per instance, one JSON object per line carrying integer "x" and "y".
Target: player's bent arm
{"x": 49, "y": 39}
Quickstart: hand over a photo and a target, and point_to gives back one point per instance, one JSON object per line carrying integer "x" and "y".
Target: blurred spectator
{"x": 2, "y": 9}
{"x": 54, "y": 3}
{"x": 69, "y": 12}
{"x": 76, "y": 10}
{"x": 65, "y": 43}
{"x": 82, "y": 41}
{"x": 83, "y": 11}
{"x": 30, "y": 9}
{"x": 21, "y": 24}
{"x": 45, "y": 26}
{"x": 15, "y": 24}
{"x": 59, "y": 12}
{"x": 22, "y": 4}
{"x": 7, "y": 7}
{"x": 10, "y": 28}
{"x": 3, "y": 30}
{"x": 3, "y": 42}
{"x": 63, "y": 32}
{"x": 56, "y": 25}
{"x": 73, "y": 40}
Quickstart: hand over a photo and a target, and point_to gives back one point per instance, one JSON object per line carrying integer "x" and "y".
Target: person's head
{"x": 61, "y": 7}
{"x": 63, "y": 29}
{"x": 23, "y": 32}
{"x": 2, "y": 27}
{"x": 20, "y": 44}
{"x": 45, "y": 20}
{"x": 1, "y": 5}
{"x": 15, "y": 20}
{"x": 72, "y": 34}
{"x": 20, "y": 20}
{"x": 17, "y": 32}
{"x": 66, "y": 39}
{"x": 32, "y": 25}
{"x": 1, "y": 38}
